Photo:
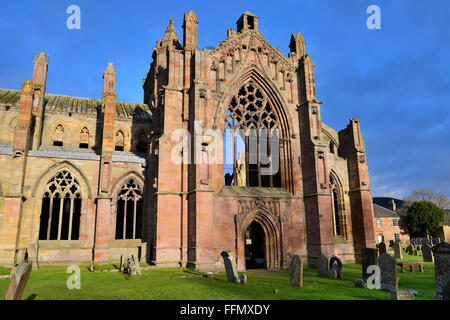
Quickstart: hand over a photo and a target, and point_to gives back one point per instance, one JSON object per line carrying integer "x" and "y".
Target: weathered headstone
{"x": 336, "y": 268}
{"x": 243, "y": 279}
{"x": 427, "y": 255}
{"x": 19, "y": 279}
{"x": 415, "y": 252}
{"x": 441, "y": 254}
{"x": 398, "y": 250}
{"x": 388, "y": 269}
{"x": 381, "y": 248}
{"x": 410, "y": 249}
{"x": 333, "y": 274}
{"x": 121, "y": 263}
{"x": 369, "y": 257}
{"x": 402, "y": 295}
{"x": 322, "y": 267}
{"x": 446, "y": 289}
{"x": 131, "y": 268}
{"x": 230, "y": 266}
{"x": 296, "y": 271}
{"x": 137, "y": 267}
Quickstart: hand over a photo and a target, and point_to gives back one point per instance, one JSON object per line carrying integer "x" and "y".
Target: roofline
{"x": 394, "y": 212}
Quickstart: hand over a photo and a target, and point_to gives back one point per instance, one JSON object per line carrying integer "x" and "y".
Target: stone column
{"x": 103, "y": 234}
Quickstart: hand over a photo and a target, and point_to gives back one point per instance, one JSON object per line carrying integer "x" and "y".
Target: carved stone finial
{"x": 41, "y": 58}
{"x": 297, "y": 45}
{"x": 110, "y": 69}
{"x": 170, "y": 37}
{"x": 191, "y": 17}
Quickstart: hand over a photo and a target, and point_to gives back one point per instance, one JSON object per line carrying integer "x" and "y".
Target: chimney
{"x": 393, "y": 205}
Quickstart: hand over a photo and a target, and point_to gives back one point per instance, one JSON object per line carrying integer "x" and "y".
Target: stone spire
{"x": 170, "y": 37}
{"x": 40, "y": 70}
{"x": 297, "y": 45}
{"x": 109, "y": 78}
{"x": 190, "y": 27}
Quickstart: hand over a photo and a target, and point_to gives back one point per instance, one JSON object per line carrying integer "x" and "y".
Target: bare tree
{"x": 422, "y": 194}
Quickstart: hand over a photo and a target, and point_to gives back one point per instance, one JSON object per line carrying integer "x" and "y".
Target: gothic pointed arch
{"x": 256, "y": 75}
{"x": 128, "y": 198}
{"x": 119, "y": 181}
{"x": 85, "y": 135}
{"x": 338, "y": 205}
{"x": 60, "y": 216}
{"x": 57, "y": 134}
{"x": 270, "y": 224}
{"x": 257, "y": 118}
{"x": 38, "y": 188}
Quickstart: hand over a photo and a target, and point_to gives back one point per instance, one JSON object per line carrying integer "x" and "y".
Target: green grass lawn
{"x": 49, "y": 283}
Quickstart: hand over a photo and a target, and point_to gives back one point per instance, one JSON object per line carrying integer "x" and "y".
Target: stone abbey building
{"x": 88, "y": 180}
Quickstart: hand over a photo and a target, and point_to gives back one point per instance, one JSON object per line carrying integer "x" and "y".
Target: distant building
{"x": 389, "y": 223}
{"x": 443, "y": 232}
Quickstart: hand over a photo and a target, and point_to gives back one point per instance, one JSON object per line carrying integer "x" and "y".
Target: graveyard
{"x": 107, "y": 283}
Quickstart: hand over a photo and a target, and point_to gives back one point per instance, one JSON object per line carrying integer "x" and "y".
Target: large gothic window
{"x": 61, "y": 208}
{"x": 252, "y": 152}
{"x": 338, "y": 211}
{"x": 129, "y": 211}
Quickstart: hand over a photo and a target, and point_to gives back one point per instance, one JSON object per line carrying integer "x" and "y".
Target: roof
{"x": 387, "y": 202}
{"x": 382, "y": 212}
{"x": 84, "y": 106}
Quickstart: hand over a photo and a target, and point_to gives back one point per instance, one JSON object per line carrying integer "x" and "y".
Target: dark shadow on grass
{"x": 32, "y": 297}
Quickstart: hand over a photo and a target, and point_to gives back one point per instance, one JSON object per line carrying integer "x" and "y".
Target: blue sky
{"x": 395, "y": 80}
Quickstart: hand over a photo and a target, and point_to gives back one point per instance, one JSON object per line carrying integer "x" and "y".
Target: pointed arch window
{"x": 84, "y": 138}
{"x": 129, "y": 214}
{"x": 58, "y": 136}
{"x": 120, "y": 141}
{"x": 251, "y": 143}
{"x": 61, "y": 208}
{"x": 338, "y": 210}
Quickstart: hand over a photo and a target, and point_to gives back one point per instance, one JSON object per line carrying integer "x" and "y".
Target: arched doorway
{"x": 255, "y": 247}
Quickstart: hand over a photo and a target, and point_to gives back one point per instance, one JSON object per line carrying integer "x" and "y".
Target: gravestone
{"x": 402, "y": 295}
{"x": 398, "y": 250}
{"x": 446, "y": 289}
{"x": 381, "y": 248}
{"x": 336, "y": 268}
{"x": 137, "y": 267}
{"x": 322, "y": 267}
{"x": 131, "y": 267}
{"x": 230, "y": 266}
{"x": 369, "y": 257}
{"x": 243, "y": 279}
{"x": 333, "y": 274}
{"x": 388, "y": 269}
{"x": 410, "y": 249}
{"x": 415, "y": 252}
{"x": 441, "y": 254}
{"x": 296, "y": 271}
{"x": 19, "y": 279}
{"x": 427, "y": 255}
{"x": 121, "y": 263}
